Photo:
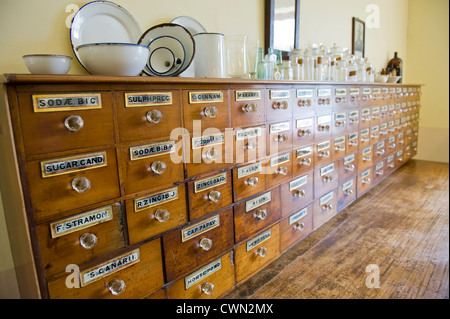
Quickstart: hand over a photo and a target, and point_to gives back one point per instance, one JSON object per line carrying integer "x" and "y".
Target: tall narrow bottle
{"x": 260, "y": 64}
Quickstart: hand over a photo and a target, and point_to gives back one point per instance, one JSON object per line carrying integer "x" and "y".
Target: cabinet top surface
{"x": 84, "y": 79}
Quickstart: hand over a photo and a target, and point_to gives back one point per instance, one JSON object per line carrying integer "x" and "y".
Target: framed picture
{"x": 358, "y": 37}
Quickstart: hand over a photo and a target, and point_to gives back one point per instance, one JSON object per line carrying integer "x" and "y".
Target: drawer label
{"x": 379, "y": 166}
{"x": 298, "y": 182}
{"x": 365, "y": 174}
{"x": 304, "y": 151}
{"x": 323, "y": 92}
{"x": 390, "y": 158}
{"x": 367, "y": 91}
{"x": 391, "y": 140}
{"x": 150, "y": 150}
{"x": 380, "y": 145}
{"x": 298, "y": 215}
{"x": 365, "y": 112}
{"x": 304, "y": 93}
{"x": 339, "y": 140}
{"x": 279, "y": 94}
{"x": 365, "y": 132}
{"x": 326, "y": 198}
{"x": 248, "y": 133}
{"x": 375, "y": 128}
{"x": 353, "y": 114}
{"x": 383, "y": 126}
{"x": 347, "y": 185}
{"x": 280, "y": 159}
{"x": 279, "y": 127}
{"x": 391, "y": 107}
{"x": 322, "y": 146}
{"x": 384, "y": 90}
{"x": 341, "y": 91}
{"x": 398, "y": 90}
{"x": 81, "y": 221}
{"x": 384, "y": 108}
{"x": 354, "y": 91}
{"x": 327, "y": 169}
{"x": 304, "y": 123}
{"x": 258, "y": 201}
{"x": 367, "y": 150}
{"x": 249, "y": 169}
{"x": 376, "y": 91}
{"x": 340, "y": 116}
{"x": 66, "y": 102}
{"x": 202, "y": 141}
{"x": 155, "y": 199}
{"x": 375, "y": 110}
{"x": 200, "y": 228}
{"x": 323, "y": 119}
{"x": 201, "y": 274}
{"x": 248, "y": 95}
{"x": 147, "y": 99}
{"x": 112, "y": 266}
{"x": 353, "y": 136}
{"x": 208, "y": 183}
{"x": 349, "y": 159}
{"x": 73, "y": 164}
{"x": 391, "y": 90}
{"x": 205, "y": 97}
{"x": 252, "y": 243}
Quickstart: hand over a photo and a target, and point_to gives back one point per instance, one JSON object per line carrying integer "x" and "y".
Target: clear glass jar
{"x": 287, "y": 71}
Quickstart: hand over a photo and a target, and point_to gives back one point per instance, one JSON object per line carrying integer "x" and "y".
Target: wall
{"x": 428, "y": 60}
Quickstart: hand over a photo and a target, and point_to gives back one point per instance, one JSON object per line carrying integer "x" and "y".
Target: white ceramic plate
{"x": 167, "y": 56}
{"x": 192, "y": 25}
{"x": 176, "y": 31}
{"x": 102, "y": 22}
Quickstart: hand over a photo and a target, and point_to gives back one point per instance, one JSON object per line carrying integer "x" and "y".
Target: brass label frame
{"x": 66, "y": 99}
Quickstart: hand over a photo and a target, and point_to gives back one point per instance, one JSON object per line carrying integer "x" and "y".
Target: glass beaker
{"x": 237, "y": 58}
{"x": 252, "y": 51}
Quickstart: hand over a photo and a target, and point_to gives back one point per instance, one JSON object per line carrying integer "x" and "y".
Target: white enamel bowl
{"x": 113, "y": 59}
{"x": 47, "y": 63}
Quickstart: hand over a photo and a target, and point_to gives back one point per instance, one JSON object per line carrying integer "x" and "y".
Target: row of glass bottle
{"x": 315, "y": 63}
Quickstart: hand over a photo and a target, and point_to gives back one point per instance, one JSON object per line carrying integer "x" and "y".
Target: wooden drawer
{"x": 197, "y": 244}
{"x": 296, "y": 227}
{"x": 365, "y": 120}
{"x": 303, "y": 160}
{"x": 379, "y": 151}
{"x": 211, "y": 281}
{"x": 375, "y": 116}
{"x": 379, "y": 171}
{"x": 354, "y": 97}
{"x": 346, "y": 193}
{"x": 146, "y": 166}
{"x": 323, "y": 153}
{"x": 366, "y": 96}
{"x": 374, "y": 134}
{"x": 339, "y": 147}
{"x": 296, "y": 194}
{"x": 257, "y": 252}
{"x": 324, "y": 100}
{"x": 279, "y": 104}
{"x": 341, "y": 100}
{"x": 352, "y": 142}
{"x": 53, "y": 122}
{"x": 139, "y": 270}
{"x": 278, "y": 169}
{"x": 247, "y": 106}
{"x": 326, "y": 179}
{"x": 248, "y": 180}
{"x": 148, "y": 114}
{"x": 210, "y": 107}
{"x": 365, "y": 159}
{"x": 364, "y": 181}
{"x": 209, "y": 193}
{"x": 325, "y": 208}
{"x": 250, "y": 144}
{"x": 256, "y": 213}
{"x": 384, "y": 113}
{"x": 303, "y": 133}
{"x": 383, "y": 130}
{"x": 400, "y": 139}
{"x": 79, "y": 238}
{"x": 61, "y": 184}
{"x": 279, "y": 137}
{"x": 324, "y": 127}
{"x": 155, "y": 213}
{"x": 348, "y": 167}
{"x": 390, "y": 164}
{"x": 399, "y": 158}
{"x": 303, "y": 105}
{"x": 390, "y": 145}
{"x": 353, "y": 120}
{"x": 339, "y": 123}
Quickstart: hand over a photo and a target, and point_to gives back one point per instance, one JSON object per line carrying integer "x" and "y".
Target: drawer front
{"x": 209, "y": 193}
{"x": 390, "y": 164}
{"x": 341, "y": 100}
{"x": 148, "y": 114}
{"x": 364, "y": 181}
{"x": 210, "y": 107}
{"x": 353, "y": 120}
{"x": 278, "y": 169}
{"x": 347, "y": 193}
{"x": 366, "y": 96}
{"x": 339, "y": 123}
{"x": 323, "y": 153}
{"x": 303, "y": 160}
{"x": 296, "y": 227}
{"x": 197, "y": 244}
{"x": 211, "y": 281}
{"x": 257, "y": 252}
{"x": 374, "y": 134}
{"x": 324, "y": 100}
{"x": 155, "y": 213}
{"x": 352, "y": 142}
{"x": 391, "y": 145}
{"x": 79, "y": 238}
{"x": 126, "y": 275}
{"x": 348, "y": 167}
{"x": 354, "y": 97}
{"x": 248, "y": 180}
{"x": 365, "y": 120}
{"x": 375, "y": 116}
{"x": 150, "y": 165}
{"x": 303, "y": 105}
{"x": 247, "y": 106}
{"x": 62, "y": 122}
{"x": 325, "y": 208}
{"x": 399, "y": 158}
{"x": 379, "y": 150}
{"x": 279, "y": 104}
{"x": 296, "y": 194}
{"x": 256, "y": 213}
{"x": 62, "y": 184}
{"x": 339, "y": 147}
{"x": 279, "y": 137}
{"x": 303, "y": 133}
{"x": 365, "y": 158}
{"x": 250, "y": 143}
{"x": 324, "y": 126}
{"x": 326, "y": 179}
{"x": 379, "y": 171}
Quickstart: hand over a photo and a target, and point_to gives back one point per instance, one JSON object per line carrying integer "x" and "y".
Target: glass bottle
{"x": 395, "y": 65}
{"x": 287, "y": 70}
{"x": 352, "y": 70}
{"x": 260, "y": 64}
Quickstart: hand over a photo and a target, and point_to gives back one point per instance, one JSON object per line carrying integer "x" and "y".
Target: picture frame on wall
{"x": 358, "y": 37}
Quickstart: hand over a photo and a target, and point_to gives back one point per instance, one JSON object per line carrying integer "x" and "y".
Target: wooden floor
{"x": 401, "y": 226}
